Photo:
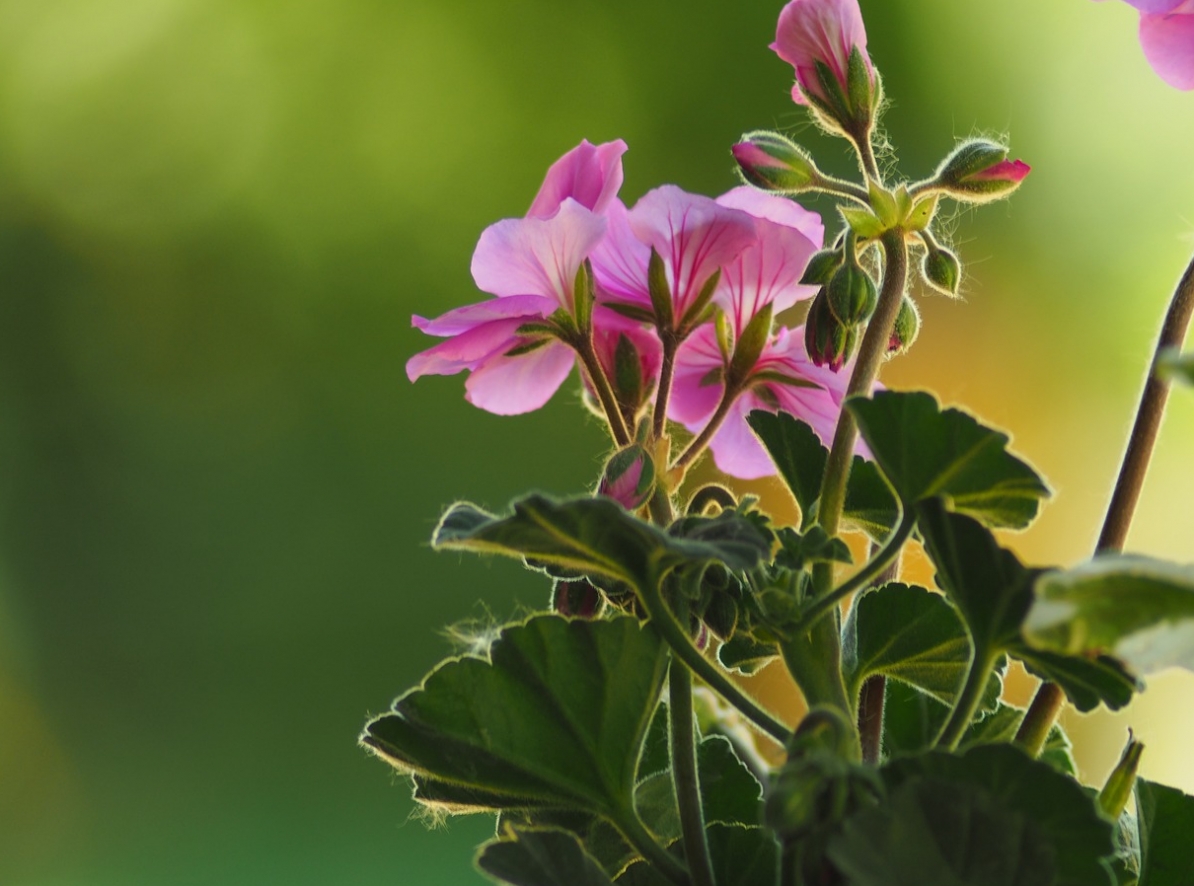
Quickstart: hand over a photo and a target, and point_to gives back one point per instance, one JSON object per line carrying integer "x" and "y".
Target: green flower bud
{"x": 906, "y": 328}
{"x": 771, "y": 162}
{"x": 941, "y": 269}
{"x": 828, "y": 341}
{"x": 978, "y": 171}
{"x": 851, "y": 294}
{"x": 1115, "y": 793}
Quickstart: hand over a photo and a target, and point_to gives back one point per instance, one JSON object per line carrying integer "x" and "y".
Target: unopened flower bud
{"x": 906, "y": 328}
{"x": 828, "y": 341}
{"x": 941, "y": 270}
{"x": 629, "y": 477}
{"x": 851, "y": 294}
{"x": 1115, "y": 793}
{"x": 820, "y": 267}
{"x": 978, "y": 171}
{"x": 771, "y": 162}
{"x": 575, "y": 599}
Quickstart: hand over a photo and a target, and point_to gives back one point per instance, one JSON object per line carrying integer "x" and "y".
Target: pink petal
{"x": 1155, "y": 6}
{"x": 589, "y": 174}
{"x": 514, "y": 385}
{"x": 1168, "y": 43}
{"x": 1004, "y": 170}
{"x": 736, "y": 450}
{"x": 537, "y": 256}
{"x": 780, "y": 210}
{"x": 819, "y": 30}
{"x": 620, "y": 260}
{"x": 694, "y": 236}
{"x": 462, "y": 319}
{"x": 468, "y": 350}
{"x": 608, "y": 327}
{"x": 694, "y": 399}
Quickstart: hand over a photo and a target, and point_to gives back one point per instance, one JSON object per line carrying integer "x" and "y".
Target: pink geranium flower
{"x": 1167, "y": 38}
{"x": 824, "y": 31}
{"x": 589, "y": 174}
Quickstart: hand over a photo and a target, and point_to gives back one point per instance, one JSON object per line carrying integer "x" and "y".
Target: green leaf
{"x": 1165, "y": 819}
{"x": 1175, "y": 366}
{"x": 595, "y": 536}
{"x": 541, "y": 858}
{"x": 599, "y": 838}
{"x": 745, "y": 654}
{"x": 1085, "y": 681}
{"x": 921, "y": 213}
{"x": 729, "y": 793}
{"x": 907, "y": 633}
{"x": 926, "y": 452}
{"x": 1000, "y": 727}
{"x": 1052, "y": 806}
{"x": 1138, "y": 609}
{"x": 989, "y": 586}
{"x": 912, "y": 719}
{"x": 556, "y": 716}
{"x": 862, "y": 221}
{"x": 870, "y": 506}
{"x": 742, "y": 856}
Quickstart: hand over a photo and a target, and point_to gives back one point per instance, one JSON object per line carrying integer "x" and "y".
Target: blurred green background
{"x": 216, "y": 483}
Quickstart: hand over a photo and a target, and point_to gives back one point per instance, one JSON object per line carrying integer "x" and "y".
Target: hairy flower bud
{"x": 851, "y": 294}
{"x": 978, "y": 171}
{"x": 941, "y": 269}
{"x": 576, "y": 599}
{"x": 771, "y": 162}
{"x": 821, "y": 267}
{"x": 828, "y": 341}
{"x": 906, "y": 328}
{"x": 629, "y": 477}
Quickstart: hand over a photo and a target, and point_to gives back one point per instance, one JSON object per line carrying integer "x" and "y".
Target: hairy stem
{"x": 685, "y": 774}
{"x": 1047, "y": 703}
{"x": 676, "y": 637}
{"x": 870, "y": 717}
{"x": 814, "y": 659}
{"x": 605, "y": 393}
{"x": 667, "y": 367}
{"x": 966, "y": 704}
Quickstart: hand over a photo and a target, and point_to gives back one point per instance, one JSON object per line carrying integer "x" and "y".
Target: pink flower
{"x": 589, "y": 174}
{"x": 693, "y": 235}
{"x": 630, "y": 355}
{"x": 736, "y": 450}
{"x": 530, "y": 265}
{"x": 628, "y": 478}
{"x": 1167, "y": 38}
{"x": 825, "y": 31}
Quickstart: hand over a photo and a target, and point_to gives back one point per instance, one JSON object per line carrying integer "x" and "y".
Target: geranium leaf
{"x": 987, "y": 583}
{"x": 1165, "y": 821}
{"x": 926, "y": 452}
{"x": 741, "y": 856}
{"x": 555, "y": 716}
{"x": 597, "y": 536}
{"x": 1086, "y": 681}
{"x": 1138, "y": 609}
{"x": 912, "y": 718}
{"x": 870, "y": 506}
{"x": 549, "y": 857}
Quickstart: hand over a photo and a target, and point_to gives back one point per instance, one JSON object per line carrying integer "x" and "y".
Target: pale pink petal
{"x": 537, "y": 256}
{"x": 694, "y": 394}
{"x": 736, "y": 450}
{"x": 589, "y": 174}
{"x": 620, "y": 261}
{"x": 609, "y": 326}
{"x": 694, "y": 236}
{"x": 1155, "y": 6}
{"x": 514, "y": 385}
{"x": 462, "y": 319}
{"x": 1168, "y": 43}
{"x": 468, "y": 350}
{"x": 819, "y": 30}
{"x": 769, "y": 270}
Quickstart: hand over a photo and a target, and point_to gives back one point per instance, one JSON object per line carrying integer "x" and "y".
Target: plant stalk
{"x": 667, "y": 368}
{"x": 968, "y": 699}
{"x": 605, "y": 393}
{"x": 686, "y": 775}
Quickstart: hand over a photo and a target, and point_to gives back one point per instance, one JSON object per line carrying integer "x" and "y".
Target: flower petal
{"x": 462, "y": 319}
{"x": 620, "y": 260}
{"x": 589, "y": 174}
{"x": 819, "y": 30}
{"x": 736, "y": 450}
{"x": 1168, "y": 43}
{"x": 537, "y": 256}
{"x": 694, "y": 397}
{"x": 514, "y": 385}
{"x": 468, "y": 350}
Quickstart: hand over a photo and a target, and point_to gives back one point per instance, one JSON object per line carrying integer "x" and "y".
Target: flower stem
{"x": 667, "y": 367}
{"x": 605, "y": 393}
{"x": 1047, "y": 702}
{"x": 686, "y": 776}
{"x": 968, "y": 699}
{"x": 870, "y": 717}
{"x": 676, "y": 637}
{"x": 697, "y": 446}
{"x": 866, "y": 369}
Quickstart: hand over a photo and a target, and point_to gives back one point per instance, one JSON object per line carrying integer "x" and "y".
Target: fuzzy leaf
{"x": 926, "y": 452}
{"x": 541, "y": 858}
{"x": 741, "y": 856}
{"x": 1138, "y": 609}
{"x": 1086, "y": 681}
{"x": 1165, "y": 819}
{"x": 556, "y": 716}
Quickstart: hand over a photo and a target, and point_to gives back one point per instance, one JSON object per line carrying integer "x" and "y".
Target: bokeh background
{"x": 216, "y": 483}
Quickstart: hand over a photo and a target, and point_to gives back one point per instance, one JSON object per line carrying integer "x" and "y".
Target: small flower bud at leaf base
{"x": 1115, "y": 793}
{"x": 821, "y": 266}
{"x": 851, "y": 294}
{"x": 978, "y": 171}
{"x": 575, "y": 599}
{"x": 629, "y": 477}
{"x": 771, "y": 162}
{"x": 905, "y": 329}
{"x": 828, "y": 341}
{"x": 941, "y": 269}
